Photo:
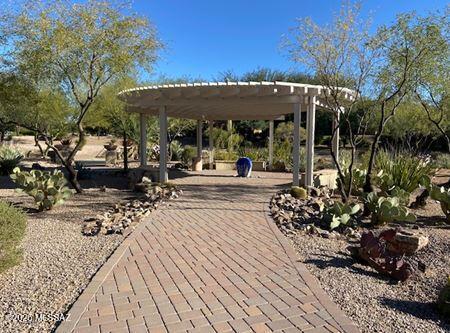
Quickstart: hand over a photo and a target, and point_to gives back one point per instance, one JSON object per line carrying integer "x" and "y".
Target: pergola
{"x": 214, "y": 101}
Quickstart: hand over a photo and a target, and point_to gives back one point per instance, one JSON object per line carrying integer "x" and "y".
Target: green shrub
{"x": 9, "y": 159}
{"x": 299, "y": 192}
{"x": 282, "y": 155}
{"x": 285, "y": 132}
{"x": 47, "y": 188}
{"x": 255, "y": 154}
{"x": 443, "y": 196}
{"x": 225, "y": 155}
{"x": 442, "y": 161}
{"x": 12, "y": 230}
{"x": 387, "y": 209}
{"x": 338, "y": 213}
{"x": 189, "y": 153}
{"x": 176, "y": 149}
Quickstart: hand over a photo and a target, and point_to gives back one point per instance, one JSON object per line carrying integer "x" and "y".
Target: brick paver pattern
{"x": 208, "y": 261}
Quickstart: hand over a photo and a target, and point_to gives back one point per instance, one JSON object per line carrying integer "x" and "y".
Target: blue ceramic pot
{"x": 244, "y": 167}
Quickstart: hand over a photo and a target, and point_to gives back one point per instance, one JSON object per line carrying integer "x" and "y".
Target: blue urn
{"x": 244, "y": 167}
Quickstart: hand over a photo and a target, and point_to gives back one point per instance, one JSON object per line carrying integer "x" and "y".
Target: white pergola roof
{"x": 226, "y": 100}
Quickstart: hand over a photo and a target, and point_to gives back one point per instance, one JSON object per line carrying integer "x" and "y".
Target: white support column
{"x": 271, "y": 144}
{"x": 310, "y": 129}
{"x": 296, "y": 147}
{"x": 163, "y": 145}
{"x": 211, "y": 145}
{"x": 335, "y": 143}
{"x": 143, "y": 140}
{"x": 199, "y": 138}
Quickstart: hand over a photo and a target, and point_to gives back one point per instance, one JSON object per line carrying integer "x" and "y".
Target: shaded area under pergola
{"x": 215, "y": 101}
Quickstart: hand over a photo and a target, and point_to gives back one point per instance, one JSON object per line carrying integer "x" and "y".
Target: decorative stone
{"x": 407, "y": 242}
{"x": 126, "y": 215}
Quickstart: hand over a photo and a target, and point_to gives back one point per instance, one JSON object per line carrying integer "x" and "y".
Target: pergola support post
{"x": 271, "y": 125}
{"x": 211, "y": 145}
{"x": 199, "y": 143}
{"x": 296, "y": 147}
{"x": 335, "y": 143}
{"x": 143, "y": 140}
{"x": 310, "y": 129}
{"x": 163, "y": 145}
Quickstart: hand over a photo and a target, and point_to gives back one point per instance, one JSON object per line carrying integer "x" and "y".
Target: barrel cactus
{"x": 443, "y": 196}
{"x": 299, "y": 192}
{"x": 47, "y": 188}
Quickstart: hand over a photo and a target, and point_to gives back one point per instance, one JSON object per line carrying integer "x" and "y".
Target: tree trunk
{"x": 37, "y": 144}
{"x": 73, "y": 178}
{"x": 125, "y": 152}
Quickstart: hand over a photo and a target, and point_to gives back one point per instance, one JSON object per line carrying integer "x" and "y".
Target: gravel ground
{"x": 58, "y": 261}
{"x": 375, "y": 303}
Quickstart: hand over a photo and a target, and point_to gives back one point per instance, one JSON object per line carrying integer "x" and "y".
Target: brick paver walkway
{"x": 211, "y": 261}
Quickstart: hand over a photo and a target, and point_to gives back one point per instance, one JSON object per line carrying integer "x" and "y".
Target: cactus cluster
{"x": 47, "y": 188}
{"x": 299, "y": 192}
{"x": 338, "y": 213}
{"x": 443, "y": 196}
{"x": 387, "y": 209}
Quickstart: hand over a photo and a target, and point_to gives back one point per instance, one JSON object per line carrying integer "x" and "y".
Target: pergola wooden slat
{"x": 210, "y": 101}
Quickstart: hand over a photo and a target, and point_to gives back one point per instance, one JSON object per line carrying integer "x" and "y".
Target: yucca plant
{"x": 9, "y": 158}
{"x": 401, "y": 170}
{"x": 47, "y": 188}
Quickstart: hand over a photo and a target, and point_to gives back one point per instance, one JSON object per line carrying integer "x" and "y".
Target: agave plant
{"x": 9, "y": 159}
{"x": 443, "y": 196}
{"x": 387, "y": 209}
{"x": 47, "y": 188}
{"x": 338, "y": 213}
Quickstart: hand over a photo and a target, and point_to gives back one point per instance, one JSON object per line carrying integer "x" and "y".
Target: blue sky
{"x": 205, "y": 37}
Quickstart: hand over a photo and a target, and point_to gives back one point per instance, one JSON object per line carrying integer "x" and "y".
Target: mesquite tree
{"x": 79, "y": 48}
{"x": 339, "y": 55}
{"x": 381, "y": 68}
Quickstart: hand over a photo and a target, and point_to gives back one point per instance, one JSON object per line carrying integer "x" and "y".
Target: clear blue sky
{"x": 205, "y": 37}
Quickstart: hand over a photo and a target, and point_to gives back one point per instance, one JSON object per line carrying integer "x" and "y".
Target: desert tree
{"x": 79, "y": 48}
{"x": 381, "y": 69}
{"x": 339, "y": 55}
{"x": 433, "y": 84}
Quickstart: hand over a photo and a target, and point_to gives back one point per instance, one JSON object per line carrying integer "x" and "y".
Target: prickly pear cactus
{"x": 47, "y": 188}
{"x": 338, "y": 213}
{"x": 443, "y": 196}
{"x": 387, "y": 209}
